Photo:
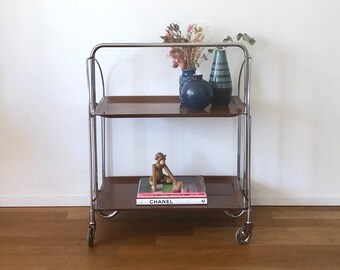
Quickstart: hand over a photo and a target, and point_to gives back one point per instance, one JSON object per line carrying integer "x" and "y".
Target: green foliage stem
{"x": 245, "y": 37}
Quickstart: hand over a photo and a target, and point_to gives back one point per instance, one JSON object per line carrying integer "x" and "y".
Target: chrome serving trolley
{"x": 119, "y": 193}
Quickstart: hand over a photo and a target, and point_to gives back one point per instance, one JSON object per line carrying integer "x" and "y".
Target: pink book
{"x": 193, "y": 187}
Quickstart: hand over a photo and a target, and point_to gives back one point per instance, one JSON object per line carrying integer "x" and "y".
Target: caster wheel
{"x": 243, "y": 235}
{"x": 90, "y": 236}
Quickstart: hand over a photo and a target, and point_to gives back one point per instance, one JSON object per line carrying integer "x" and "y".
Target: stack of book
{"x": 192, "y": 192}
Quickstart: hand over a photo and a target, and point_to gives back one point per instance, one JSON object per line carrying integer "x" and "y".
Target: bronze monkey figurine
{"x": 158, "y": 176}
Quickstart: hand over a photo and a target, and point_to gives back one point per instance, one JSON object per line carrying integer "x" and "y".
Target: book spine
{"x": 171, "y": 195}
{"x": 171, "y": 201}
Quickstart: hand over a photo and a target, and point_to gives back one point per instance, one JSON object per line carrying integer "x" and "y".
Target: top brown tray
{"x": 161, "y": 106}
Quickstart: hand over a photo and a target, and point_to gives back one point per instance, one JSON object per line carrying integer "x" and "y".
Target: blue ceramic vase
{"x": 185, "y": 77}
{"x": 220, "y": 79}
{"x": 196, "y": 93}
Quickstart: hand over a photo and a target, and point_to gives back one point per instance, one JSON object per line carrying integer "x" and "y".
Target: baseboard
{"x": 85, "y": 201}
{"x": 297, "y": 201}
{"x": 43, "y": 201}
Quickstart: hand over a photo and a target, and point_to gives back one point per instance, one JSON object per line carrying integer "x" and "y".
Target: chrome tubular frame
{"x": 243, "y": 130}
{"x": 103, "y": 126}
{"x": 248, "y": 142}
{"x": 93, "y": 147}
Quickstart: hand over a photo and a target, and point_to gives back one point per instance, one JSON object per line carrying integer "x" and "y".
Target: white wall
{"x": 43, "y": 96}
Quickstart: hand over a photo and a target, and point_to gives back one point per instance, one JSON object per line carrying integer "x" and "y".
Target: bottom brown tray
{"x": 119, "y": 193}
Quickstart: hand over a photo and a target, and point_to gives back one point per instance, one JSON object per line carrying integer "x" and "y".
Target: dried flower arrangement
{"x": 185, "y": 57}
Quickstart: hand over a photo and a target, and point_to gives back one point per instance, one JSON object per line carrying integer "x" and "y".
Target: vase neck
{"x": 220, "y": 56}
{"x": 188, "y": 72}
{"x": 197, "y": 77}
{"x": 188, "y": 69}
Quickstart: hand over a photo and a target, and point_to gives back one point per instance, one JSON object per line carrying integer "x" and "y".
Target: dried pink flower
{"x": 184, "y": 57}
{"x": 189, "y": 28}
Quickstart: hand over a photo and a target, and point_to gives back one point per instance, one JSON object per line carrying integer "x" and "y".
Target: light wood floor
{"x": 283, "y": 238}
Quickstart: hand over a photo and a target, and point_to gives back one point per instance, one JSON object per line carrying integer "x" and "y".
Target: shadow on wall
{"x": 294, "y": 143}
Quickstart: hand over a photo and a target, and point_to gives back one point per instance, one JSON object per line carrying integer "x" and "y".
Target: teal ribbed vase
{"x": 220, "y": 79}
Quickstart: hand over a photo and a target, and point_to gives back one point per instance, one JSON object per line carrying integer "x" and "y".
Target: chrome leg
{"x": 103, "y": 126}
{"x": 93, "y": 180}
{"x": 249, "y": 216}
{"x": 243, "y": 234}
{"x": 92, "y": 229}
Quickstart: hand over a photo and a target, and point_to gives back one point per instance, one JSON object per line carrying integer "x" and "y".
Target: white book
{"x": 170, "y": 201}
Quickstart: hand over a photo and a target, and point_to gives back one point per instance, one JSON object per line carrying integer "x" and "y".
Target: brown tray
{"x": 119, "y": 193}
{"x": 161, "y": 106}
